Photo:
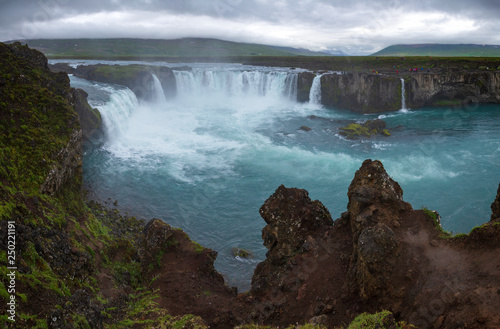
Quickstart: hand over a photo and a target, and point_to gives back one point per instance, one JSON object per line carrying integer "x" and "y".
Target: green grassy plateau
{"x": 450, "y": 50}
{"x": 159, "y": 49}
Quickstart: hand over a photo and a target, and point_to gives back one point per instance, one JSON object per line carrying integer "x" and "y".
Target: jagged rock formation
{"x": 381, "y": 254}
{"x": 495, "y": 207}
{"x": 375, "y": 204}
{"x": 291, "y": 217}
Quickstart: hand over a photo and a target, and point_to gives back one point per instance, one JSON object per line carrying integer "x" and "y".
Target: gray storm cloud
{"x": 356, "y": 26}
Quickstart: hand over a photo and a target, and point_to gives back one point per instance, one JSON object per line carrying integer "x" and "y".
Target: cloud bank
{"x": 355, "y": 27}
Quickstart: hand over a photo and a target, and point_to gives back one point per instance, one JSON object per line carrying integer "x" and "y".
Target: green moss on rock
{"x": 366, "y": 129}
{"x": 381, "y": 320}
{"x": 242, "y": 253}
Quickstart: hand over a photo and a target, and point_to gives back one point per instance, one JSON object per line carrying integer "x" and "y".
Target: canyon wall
{"x": 361, "y": 92}
{"x": 372, "y": 93}
{"x": 453, "y": 88}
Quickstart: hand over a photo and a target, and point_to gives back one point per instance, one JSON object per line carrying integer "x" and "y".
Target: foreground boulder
{"x": 291, "y": 217}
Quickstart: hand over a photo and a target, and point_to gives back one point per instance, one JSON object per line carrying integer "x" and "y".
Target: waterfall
{"x": 315, "y": 92}
{"x": 403, "y": 96}
{"x": 158, "y": 94}
{"x": 116, "y": 112}
{"x": 232, "y": 83}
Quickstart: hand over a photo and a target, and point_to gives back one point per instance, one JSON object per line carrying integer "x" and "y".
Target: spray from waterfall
{"x": 158, "y": 94}
{"x": 315, "y": 92}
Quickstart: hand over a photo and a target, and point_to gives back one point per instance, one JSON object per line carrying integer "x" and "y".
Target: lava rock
{"x": 495, "y": 207}
{"x": 242, "y": 253}
{"x": 376, "y": 254}
{"x": 291, "y": 215}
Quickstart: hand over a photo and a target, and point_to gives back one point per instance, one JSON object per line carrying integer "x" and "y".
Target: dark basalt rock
{"x": 304, "y": 84}
{"x": 371, "y": 189}
{"x": 361, "y": 92}
{"x": 291, "y": 215}
{"x": 375, "y": 201}
{"x": 242, "y": 253}
{"x": 157, "y": 236}
{"x": 376, "y": 254}
{"x": 35, "y": 57}
{"x": 90, "y": 119}
{"x": 62, "y": 67}
{"x": 495, "y": 207}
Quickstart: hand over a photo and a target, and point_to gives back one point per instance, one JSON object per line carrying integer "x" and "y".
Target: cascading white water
{"x": 403, "y": 96}
{"x": 236, "y": 83}
{"x": 158, "y": 94}
{"x": 116, "y": 112}
{"x": 315, "y": 92}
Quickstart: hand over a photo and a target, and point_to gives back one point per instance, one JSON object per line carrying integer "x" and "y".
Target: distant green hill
{"x": 459, "y": 50}
{"x": 155, "y": 48}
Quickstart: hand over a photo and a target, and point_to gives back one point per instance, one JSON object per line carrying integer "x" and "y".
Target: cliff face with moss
{"x": 77, "y": 264}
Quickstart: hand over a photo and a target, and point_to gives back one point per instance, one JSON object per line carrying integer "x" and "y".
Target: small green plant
{"x": 198, "y": 247}
{"x": 381, "y": 320}
{"x": 431, "y": 214}
{"x": 436, "y": 219}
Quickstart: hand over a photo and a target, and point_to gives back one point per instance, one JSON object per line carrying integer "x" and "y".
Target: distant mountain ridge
{"x": 159, "y": 48}
{"x": 456, "y": 50}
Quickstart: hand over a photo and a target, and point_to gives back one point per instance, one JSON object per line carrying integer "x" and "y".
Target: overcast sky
{"x": 354, "y": 26}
